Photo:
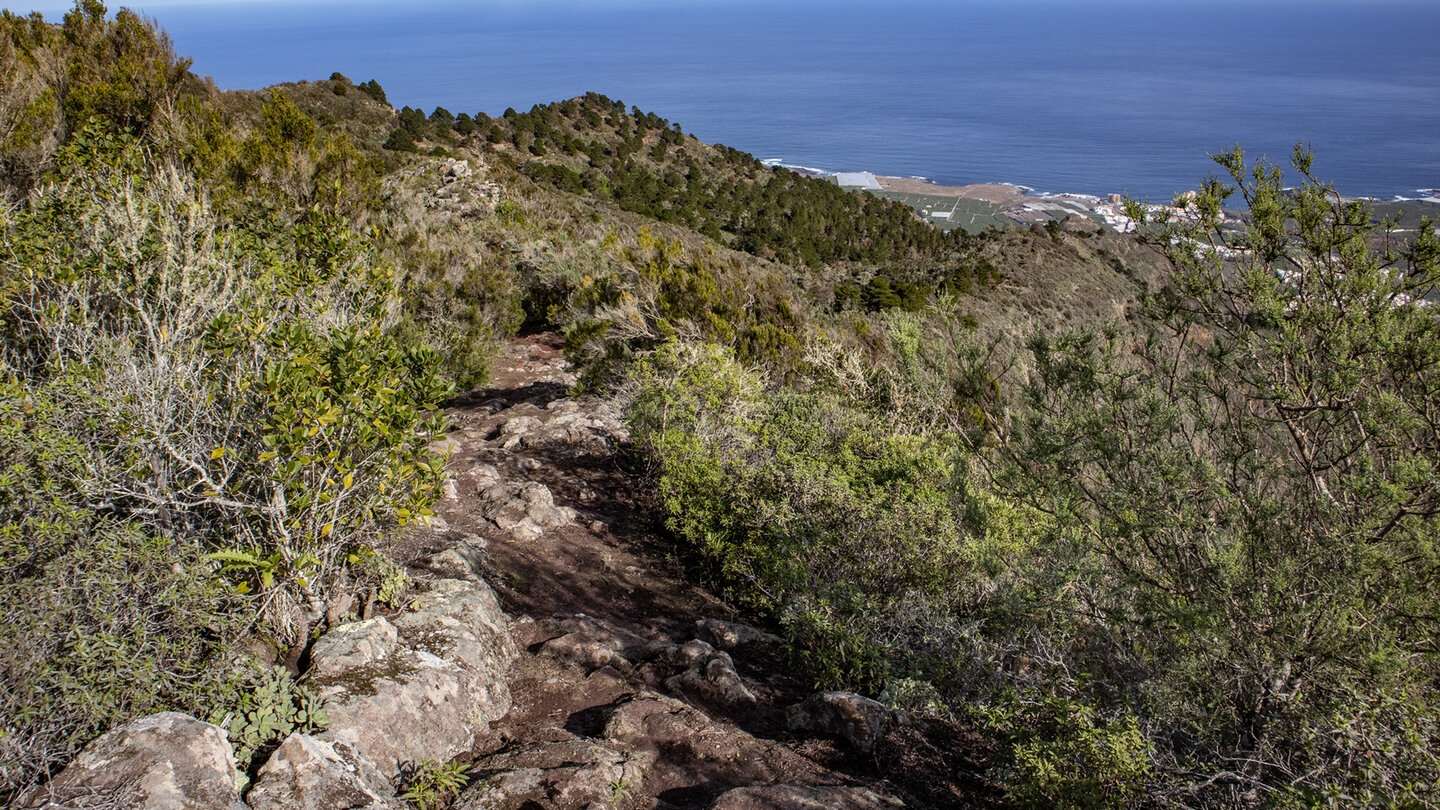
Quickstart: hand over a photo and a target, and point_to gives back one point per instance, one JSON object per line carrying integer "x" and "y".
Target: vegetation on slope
{"x": 1167, "y": 548}
{"x": 1182, "y": 559}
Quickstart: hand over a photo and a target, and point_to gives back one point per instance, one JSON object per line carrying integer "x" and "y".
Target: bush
{"x": 256, "y": 404}
{"x": 804, "y": 508}
{"x": 1243, "y": 503}
{"x": 113, "y": 625}
{"x": 1061, "y": 753}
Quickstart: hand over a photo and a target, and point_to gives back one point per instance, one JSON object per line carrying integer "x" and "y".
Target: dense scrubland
{"x": 1156, "y": 513}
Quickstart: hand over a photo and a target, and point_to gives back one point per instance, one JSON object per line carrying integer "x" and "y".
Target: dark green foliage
{"x": 773, "y": 213}
{"x": 373, "y": 89}
{"x": 441, "y": 119}
{"x": 400, "y": 140}
{"x": 657, "y": 292}
{"x": 120, "y": 70}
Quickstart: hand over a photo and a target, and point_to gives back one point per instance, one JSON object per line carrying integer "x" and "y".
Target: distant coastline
{"x": 975, "y": 206}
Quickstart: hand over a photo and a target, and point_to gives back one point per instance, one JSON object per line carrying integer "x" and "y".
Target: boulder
{"x": 464, "y": 559}
{"x": 435, "y": 693}
{"x": 590, "y": 643}
{"x": 353, "y": 646}
{"x": 566, "y": 773}
{"x": 794, "y": 797}
{"x": 485, "y": 475}
{"x": 710, "y": 678}
{"x": 307, "y": 773}
{"x": 525, "y": 510}
{"x": 167, "y": 761}
{"x": 857, "y": 720}
{"x": 730, "y": 636}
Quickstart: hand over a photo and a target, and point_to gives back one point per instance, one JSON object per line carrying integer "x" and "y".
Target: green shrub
{"x": 804, "y": 508}
{"x": 114, "y": 625}
{"x": 1063, "y": 755}
{"x": 256, "y": 402}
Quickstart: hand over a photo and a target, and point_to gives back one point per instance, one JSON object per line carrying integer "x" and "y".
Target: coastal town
{"x": 977, "y": 206}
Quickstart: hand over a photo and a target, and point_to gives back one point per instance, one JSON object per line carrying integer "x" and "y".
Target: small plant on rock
{"x": 269, "y": 707}
{"x": 433, "y": 784}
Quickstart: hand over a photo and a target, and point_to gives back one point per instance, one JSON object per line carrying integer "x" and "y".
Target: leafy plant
{"x": 432, "y": 785}
{"x": 268, "y": 707}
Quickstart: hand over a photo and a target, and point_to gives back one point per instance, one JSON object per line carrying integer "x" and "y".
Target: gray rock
{"x": 711, "y": 679}
{"x": 566, "y": 773}
{"x": 306, "y": 773}
{"x": 644, "y": 717}
{"x": 353, "y": 646}
{"x": 462, "y": 622}
{"x": 462, "y": 560}
{"x": 525, "y": 510}
{"x": 437, "y": 692}
{"x": 730, "y": 636}
{"x": 412, "y": 710}
{"x": 485, "y": 475}
{"x": 521, "y": 424}
{"x": 794, "y": 797}
{"x": 167, "y": 761}
{"x": 590, "y": 643}
{"x": 857, "y": 720}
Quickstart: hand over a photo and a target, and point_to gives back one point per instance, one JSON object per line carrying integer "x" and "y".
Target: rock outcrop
{"x": 307, "y": 773}
{"x": 422, "y": 687}
{"x": 166, "y": 761}
{"x": 857, "y": 720}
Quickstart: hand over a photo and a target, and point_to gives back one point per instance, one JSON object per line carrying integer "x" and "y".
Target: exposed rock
{"x": 525, "y": 510}
{"x": 590, "y": 644}
{"x": 857, "y": 720}
{"x": 710, "y": 677}
{"x": 567, "y": 773}
{"x": 452, "y": 170}
{"x": 436, "y": 692}
{"x": 450, "y": 490}
{"x": 353, "y": 646}
{"x": 794, "y": 797}
{"x": 306, "y": 773}
{"x": 462, "y": 560}
{"x": 463, "y": 623}
{"x": 520, "y": 425}
{"x": 730, "y": 636}
{"x": 485, "y": 476}
{"x": 167, "y": 761}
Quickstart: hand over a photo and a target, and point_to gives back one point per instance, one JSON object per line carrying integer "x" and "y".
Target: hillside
{"x": 561, "y": 459}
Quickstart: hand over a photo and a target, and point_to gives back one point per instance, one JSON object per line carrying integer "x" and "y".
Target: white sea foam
{"x": 781, "y": 164}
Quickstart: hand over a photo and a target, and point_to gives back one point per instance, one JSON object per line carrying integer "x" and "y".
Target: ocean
{"x": 1086, "y": 96}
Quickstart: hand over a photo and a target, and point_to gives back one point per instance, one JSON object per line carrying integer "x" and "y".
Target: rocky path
{"x": 634, "y": 687}
{"x": 551, "y": 650}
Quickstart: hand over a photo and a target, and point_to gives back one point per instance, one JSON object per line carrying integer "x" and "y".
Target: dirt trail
{"x": 637, "y": 688}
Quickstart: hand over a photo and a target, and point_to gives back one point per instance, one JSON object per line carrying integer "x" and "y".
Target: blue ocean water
{"x": 1093, "y": 96}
